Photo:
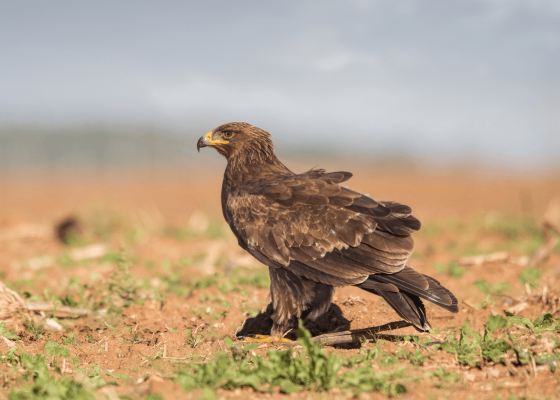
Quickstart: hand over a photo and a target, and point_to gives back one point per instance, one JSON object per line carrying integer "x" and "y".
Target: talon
{"x": 266, "y": 339}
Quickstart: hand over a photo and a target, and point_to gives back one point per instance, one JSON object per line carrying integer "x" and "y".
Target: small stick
{"x": 61, "y": 311}
{"x": 8, "y": 342}
{"x": 433, "y": 336}
{"x": 469, "y": 304}
{"x": 483, "y": 259}
{"x": 353, "y": 336}
{"x": 511, "y": 368}
{"x": 543, "y": 252}
{"x": 503, "y": 295}
{"x": 288, "y": 331}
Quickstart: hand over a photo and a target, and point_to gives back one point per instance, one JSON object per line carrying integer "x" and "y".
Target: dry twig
{"x": 353, "y": 336}
{"x": 484, "y": 258}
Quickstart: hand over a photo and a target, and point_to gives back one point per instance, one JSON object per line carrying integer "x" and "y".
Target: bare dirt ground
{"x": 164, "y": 287}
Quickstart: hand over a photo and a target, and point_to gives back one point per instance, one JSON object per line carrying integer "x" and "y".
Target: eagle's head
{"x": 239, "y": 140}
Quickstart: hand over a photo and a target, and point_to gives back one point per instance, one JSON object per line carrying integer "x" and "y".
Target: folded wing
{"x": 313, "y": 226}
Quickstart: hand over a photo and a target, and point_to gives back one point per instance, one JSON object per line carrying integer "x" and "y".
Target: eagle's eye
{"x": 227, "y": 134}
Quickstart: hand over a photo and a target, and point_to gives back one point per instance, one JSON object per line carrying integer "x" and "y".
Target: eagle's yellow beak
{"x": 206, "y": 140}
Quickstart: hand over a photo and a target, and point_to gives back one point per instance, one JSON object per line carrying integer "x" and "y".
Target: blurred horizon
{"x": 440, "y": 83}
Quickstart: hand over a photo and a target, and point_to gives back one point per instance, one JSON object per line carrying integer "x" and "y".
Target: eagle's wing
{"x": 311, "y": 225}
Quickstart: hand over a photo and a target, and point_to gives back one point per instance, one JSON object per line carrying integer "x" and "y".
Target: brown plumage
{"x": 315, "y": 234}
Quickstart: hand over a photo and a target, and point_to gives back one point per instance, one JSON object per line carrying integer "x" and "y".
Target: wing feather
{"x": 309, "y": 219}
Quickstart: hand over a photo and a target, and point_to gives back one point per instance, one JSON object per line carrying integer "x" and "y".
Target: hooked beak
{"x": 206, "y": 141}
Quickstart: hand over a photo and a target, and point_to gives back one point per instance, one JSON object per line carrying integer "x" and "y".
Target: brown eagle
{"x": 315, "y": 234}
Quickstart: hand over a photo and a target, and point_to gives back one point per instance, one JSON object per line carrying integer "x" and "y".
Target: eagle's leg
{"x": 293, "y": 296}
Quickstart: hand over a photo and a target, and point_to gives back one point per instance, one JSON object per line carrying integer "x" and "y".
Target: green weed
{"x": 415, "y": 358}
{"x": 530, "y": 276}
{"x": 122, "y": 284}
{"x": 520, "y": 233}
{"x": 43, "y": 385}
{"x": 452, "y": 269}
{"x": 258, "y": 280}
{"x": 474, "y": 349}
{"x": 193, "y": 341}
{"x": 36, "y": 329}
{"x": 71, "y": 339}
{"x": 289, "y": 370}
{"x": 485, "y": 303}
{"x": 6, "y": 333}
{"x": 498, "y": 287}
{"x": 443, "y": 376}
{"x": 56, "y": 351}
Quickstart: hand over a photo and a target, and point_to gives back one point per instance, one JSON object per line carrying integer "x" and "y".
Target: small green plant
{"x": 153, "y": 396}
{"x": 498, "y": 287}
{"x": 239, "y": 352}
{"x": 151, "y": 359}
{"x": 473, "y": 349}
{"x": 258, "y": 280}
{"x": 69, "y": 301}
{"x": 443, "y": 376}
{"x": 56, "y": 351}
{"x": 452, "y": 269}
{"x": 43, "y": 385}
{"x": 71, "y": 339}
{"x": 94, "y": 372}
{"x": 6, "y": 333}
{"x": 530, "y": 276}
{"x": 485, "y": 303}
{"x": 193, "y": 341}
{"x": 415, "y": 358}
{"x": 123, "y": 284}
{"x": 34, "y": 328}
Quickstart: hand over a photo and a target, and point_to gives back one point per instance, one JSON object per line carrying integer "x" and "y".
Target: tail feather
{"x": 407, "y": 306}
{"x": 432, "y": 292}
{"x": 403, "y": 290}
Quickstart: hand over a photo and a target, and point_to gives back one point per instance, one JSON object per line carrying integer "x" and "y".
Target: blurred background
{"x": 449, "y": 106}
{"x": 438, "y": 83}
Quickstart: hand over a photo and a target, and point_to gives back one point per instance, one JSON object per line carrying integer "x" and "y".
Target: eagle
{"x": 315, "y": 234}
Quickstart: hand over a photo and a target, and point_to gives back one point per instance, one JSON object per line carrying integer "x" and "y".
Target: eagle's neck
{"x": 244, "y": 170}
{"x": 239, "y": 174}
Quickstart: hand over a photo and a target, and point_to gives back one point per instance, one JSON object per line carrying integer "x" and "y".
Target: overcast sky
{"x": 432, "y": 79}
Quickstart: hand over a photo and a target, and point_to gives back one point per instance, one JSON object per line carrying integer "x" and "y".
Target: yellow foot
{"x": 267, "y": 339}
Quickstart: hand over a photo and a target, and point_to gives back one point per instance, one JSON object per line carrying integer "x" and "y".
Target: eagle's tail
{"x": 403, "y": 290}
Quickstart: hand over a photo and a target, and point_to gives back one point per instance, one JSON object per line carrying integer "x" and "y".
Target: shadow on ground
{"x": 331, "y": 321}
